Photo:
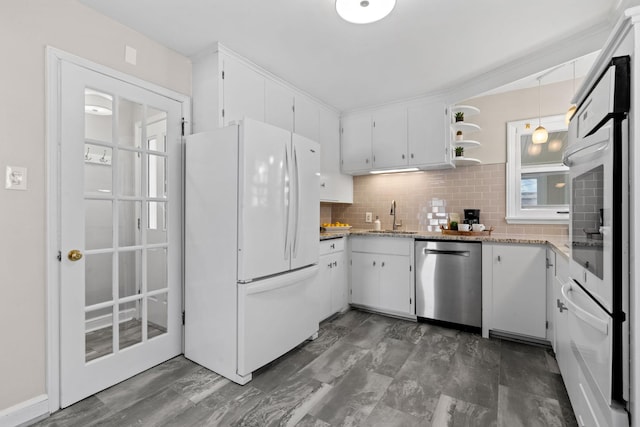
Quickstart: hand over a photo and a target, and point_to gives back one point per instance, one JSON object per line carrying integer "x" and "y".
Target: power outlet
{"x": 368, "y": 217}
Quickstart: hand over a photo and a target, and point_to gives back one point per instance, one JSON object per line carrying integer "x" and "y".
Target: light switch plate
{"x": 16, "y": 178}
{"x": 368, "y": 217}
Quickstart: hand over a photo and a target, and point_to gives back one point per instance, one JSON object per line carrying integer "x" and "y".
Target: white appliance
{"x": 251, "y": 246}
{"x": 597, "y": 293}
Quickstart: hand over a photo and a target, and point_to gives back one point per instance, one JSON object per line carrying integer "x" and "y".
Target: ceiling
{"x": 423, "y": 47}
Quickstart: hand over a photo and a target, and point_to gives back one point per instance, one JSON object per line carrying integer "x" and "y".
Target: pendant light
{"x": 573, "y": 108}
{"x": 364, "y": 11}
{"x": 540, "y": 135}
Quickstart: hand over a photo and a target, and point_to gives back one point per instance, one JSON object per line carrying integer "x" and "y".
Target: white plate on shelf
{"x": 337, "y": 228}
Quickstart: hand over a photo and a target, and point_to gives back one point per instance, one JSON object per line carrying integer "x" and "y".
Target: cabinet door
{"x": 306, "y": 118}
{"x": 428, "y": 142}
{"x": 365, "y": 279}
{"x": 551, "y": 274}
{"x": 519, "y": 289}
{"x": 395, "y": 283}
{"x": 243, "y": 92}
{"x": 339, "y": 283}
{"x": 334, "y": 186}
{"x": 390, "y": 138}
{"x": 278, "y": 105}
{"x": 324, "y": 286}
{"x": 356, "y": 143}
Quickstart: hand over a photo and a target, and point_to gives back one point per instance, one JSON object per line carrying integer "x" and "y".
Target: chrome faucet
{"x": 393, "y": 212}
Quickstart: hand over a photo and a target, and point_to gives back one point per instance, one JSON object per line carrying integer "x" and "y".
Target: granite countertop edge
{"x": 557, "y": 242}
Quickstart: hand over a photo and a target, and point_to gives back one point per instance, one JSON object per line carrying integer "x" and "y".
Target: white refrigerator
{"x": 251, "y": 246}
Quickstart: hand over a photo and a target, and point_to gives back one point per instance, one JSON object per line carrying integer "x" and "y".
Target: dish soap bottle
{"x": 376, "y": 224}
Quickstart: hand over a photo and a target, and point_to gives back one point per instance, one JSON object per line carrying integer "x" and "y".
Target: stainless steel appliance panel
{"x": 449, "y": 281}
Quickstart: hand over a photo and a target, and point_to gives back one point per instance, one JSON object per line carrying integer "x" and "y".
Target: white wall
{"x": 26, "y": 28}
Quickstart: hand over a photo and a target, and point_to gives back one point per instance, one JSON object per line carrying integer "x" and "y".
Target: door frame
{"x": 54, "y": 57}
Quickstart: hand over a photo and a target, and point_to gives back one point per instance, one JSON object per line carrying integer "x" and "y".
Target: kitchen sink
{"x": 393, "y": 231}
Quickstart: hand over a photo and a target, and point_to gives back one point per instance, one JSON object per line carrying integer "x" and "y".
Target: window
{"x": 537, "y": 181}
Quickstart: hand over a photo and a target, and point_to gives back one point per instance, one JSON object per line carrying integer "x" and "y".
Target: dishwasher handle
{"x": 427, "y": 251}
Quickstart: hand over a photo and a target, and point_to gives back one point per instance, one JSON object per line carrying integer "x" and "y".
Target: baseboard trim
{"x": 25, "y": 413}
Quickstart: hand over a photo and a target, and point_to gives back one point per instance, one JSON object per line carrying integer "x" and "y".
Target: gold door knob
{"x": 74, "y": 255}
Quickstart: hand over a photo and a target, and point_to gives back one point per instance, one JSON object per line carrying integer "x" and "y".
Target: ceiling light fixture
{"x": 97, "y": 103}
{"x": 364, "y": 11}
{"x": 540, "y": 135}
{"x": 573, "y": 108}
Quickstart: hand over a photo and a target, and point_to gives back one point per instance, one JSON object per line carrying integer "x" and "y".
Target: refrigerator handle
{"x": 297, "y": 202}
{"x": 286, "y": 200}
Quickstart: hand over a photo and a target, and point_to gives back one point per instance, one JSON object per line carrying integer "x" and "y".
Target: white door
{"x": 120, "y": 231}
{"x": 305, "y": 247}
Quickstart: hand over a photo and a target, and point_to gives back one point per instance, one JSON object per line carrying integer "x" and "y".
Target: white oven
{"x": 597, "y": 293}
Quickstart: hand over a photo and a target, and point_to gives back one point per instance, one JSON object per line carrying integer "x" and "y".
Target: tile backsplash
{"x": 474, "y": 187}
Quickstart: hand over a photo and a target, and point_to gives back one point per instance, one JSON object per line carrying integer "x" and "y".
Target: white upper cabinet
{"x": 356, "y": 143}
{"x": 307, "y": 117}
{"x": 389, "y": 138}
{"x": 227, "y": 88}
{"x": 243, "y": 92}
{"x": 279, "y": 105}
{"x": 428, "y": 142}
{"x": 403, "y": 136}
{"x": 334, "y": 186}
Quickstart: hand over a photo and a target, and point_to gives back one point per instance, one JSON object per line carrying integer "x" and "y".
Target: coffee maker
{"x": 472, "y": 216}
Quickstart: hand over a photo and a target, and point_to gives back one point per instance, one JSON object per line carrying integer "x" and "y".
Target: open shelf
{"x": 466, "y": 144}
{"x": 465, "y": 161}
{"x": 468, "y": 110}
{"x": 465, "y": 127}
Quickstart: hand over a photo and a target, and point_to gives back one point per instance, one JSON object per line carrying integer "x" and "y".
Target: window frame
{"x": 515, "y": 213}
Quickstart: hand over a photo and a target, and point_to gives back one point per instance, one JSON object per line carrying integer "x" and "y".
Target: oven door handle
{"x": 566, "y": 158}
{"x": 598, "y": 324}
{"x": 599, "y": 139}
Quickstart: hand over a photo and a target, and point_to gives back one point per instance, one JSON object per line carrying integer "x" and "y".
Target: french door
{"x": 120, "y": 237}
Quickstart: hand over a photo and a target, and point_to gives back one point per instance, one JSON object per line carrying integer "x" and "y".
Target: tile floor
{"x": 364, "y": 369}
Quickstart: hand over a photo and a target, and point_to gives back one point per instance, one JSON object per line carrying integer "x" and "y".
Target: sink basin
{"x": 393, "y": 231}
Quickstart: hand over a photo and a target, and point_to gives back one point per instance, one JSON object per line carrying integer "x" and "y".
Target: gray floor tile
{"x": 388, "y": 356}
{"x": 80, "y": 414}
{"x": 369, "y": 332}
{"x": 334, "y": 363}
{"x": 271, "y": 376}
{"x": 521, "y": 409}
{"x": 386, "y": 416}
{"x": 405, "y": 330}
{"x": 328, "y": 335}
{"x": 147, "y": 383}
{"x": 452, "y": 412}
{"x": 351, "y": 318}
{"x": 352, "y": 399}
{"x": 469, "y": 383}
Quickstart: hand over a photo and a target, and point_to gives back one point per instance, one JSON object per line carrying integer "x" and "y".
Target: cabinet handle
{"x": 499, "y": 258}
{"x": 561, "y": 306}
{"x": 412, "y": 155}
{"x": 323, "y": 185}
{"x": 330, "y": 265}
{"x": 333, "y": 246}
{"x": 403, "y": 156}
{"x": 367, "y": 161}
{"x": 335, "y": 263}
{"x": 382, "y": 265}
{"x": 374, "y": 263}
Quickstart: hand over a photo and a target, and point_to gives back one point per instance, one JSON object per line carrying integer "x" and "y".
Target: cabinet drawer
{"x": 382, "y": 245}
{"x": 332, "y": 245}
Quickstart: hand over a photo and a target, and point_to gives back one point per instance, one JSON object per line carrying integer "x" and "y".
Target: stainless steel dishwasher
{"x": 449, "y": 281}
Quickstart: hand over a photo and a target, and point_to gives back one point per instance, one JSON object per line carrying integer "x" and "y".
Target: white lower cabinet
{"x": 332, "y": 280}
{"x": 514, "y": 276}
{"x": 382, "y": 274}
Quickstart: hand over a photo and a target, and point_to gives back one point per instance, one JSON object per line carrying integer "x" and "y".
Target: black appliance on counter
{"x": 472, "y": 216}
